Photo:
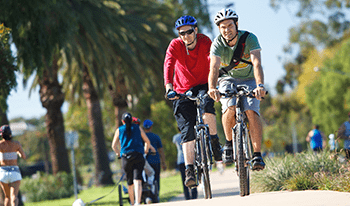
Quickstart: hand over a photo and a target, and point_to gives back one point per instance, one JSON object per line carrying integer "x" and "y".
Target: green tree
{"x": 8, "y": 69}
{"x": 40, "y": 29}
{"x": 283, "y": 116}
{"x": 328, "y": 97}
{"x": 322, "y": 24}
{"x": 110, "y": 33}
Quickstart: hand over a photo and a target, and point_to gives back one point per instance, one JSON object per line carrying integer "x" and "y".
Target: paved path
{"x": 225, "y": 192}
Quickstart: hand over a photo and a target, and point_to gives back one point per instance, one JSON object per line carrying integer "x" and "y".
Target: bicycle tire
{"x": 198, "y": 160}
{"x": 243, "y": 169}
{"x": 205, "y": 166}
{"x": 249, "y": 156}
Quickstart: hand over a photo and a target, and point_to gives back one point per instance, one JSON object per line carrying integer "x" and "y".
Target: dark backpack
{"x": 237, "y": 55}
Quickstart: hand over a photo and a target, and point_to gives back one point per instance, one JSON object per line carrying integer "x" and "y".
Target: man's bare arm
{"x": 258, "y": 73}
{"x": 213, "y": 77}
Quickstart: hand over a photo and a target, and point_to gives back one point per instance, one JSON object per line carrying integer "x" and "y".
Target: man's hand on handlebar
{"x": 171, "y": 95}
{"x": 259, "y": 93}
{"x": 214, "y": 94}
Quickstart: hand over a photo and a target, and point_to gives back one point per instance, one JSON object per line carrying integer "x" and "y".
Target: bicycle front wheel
{"x": 205, "y": 166}
{"x": 243, "y": 169}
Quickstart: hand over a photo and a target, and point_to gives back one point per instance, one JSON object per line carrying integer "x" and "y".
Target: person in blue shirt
{"x": 181, "y": 166}
{"x": 158, "y": 160}
{"x": 316, "y": 139}
{"x": 344, "y": 133}
{"x": 130, "y": 142}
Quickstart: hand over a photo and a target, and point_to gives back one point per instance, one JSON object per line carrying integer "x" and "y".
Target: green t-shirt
{"x": 220, "y": 48}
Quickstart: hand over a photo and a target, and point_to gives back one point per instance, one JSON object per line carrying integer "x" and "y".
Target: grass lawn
{"x": 170, "y": 186}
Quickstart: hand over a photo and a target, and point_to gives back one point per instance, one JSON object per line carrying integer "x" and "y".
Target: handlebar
{"x": 189, "y": 95}
{"x": 240, "y": 91}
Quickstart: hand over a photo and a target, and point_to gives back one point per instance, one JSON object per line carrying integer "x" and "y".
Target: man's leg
{"x": 228, "y": 121}
{"x": 188, "y": 149}
{"x": 210, "y": 119}
{"x": 156, "y": 168}
{"x": 183, "y": 177}
{"x": 255, "y": 128}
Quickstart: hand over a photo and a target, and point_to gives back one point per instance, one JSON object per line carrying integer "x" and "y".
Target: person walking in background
{"x": 181, "y": 167}
{"x": 344, "y": 133}
{"x": 333, "y": 143}
{"x": 158, "y": 160}
{"x": 10, "y": 175}
{"x": 186, "y": 68}
{"x": 316, "y": 138}
{"x": 130, "y": 142}
{"x": 148, "y": 168}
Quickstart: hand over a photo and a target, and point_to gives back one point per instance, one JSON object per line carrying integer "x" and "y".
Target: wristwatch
{"x": 261, "y": 85}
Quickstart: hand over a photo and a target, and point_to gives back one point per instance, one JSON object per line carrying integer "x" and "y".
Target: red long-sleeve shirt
{"x": 186, "y": 71}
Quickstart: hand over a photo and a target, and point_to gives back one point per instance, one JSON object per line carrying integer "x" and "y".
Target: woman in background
{"x": 133, "y": 143}
{"x": 10, "y": 175}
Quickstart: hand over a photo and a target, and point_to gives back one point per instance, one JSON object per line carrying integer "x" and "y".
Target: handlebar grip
{"x": 265, "y": 94}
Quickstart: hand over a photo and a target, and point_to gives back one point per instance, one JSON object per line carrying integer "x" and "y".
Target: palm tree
{"x": 109, "y": 35}
{"x": 40, "y": 28}
{"x": 8, "y": 68}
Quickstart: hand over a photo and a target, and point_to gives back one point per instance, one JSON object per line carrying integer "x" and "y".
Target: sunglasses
{"x": 190, "y": 31}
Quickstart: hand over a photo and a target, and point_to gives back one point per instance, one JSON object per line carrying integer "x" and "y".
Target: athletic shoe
{"x": 227, "y": 156}
{"x": 217, "y": 150}
{"x": 257, "y": 163}
{"x": 190, "y": 180}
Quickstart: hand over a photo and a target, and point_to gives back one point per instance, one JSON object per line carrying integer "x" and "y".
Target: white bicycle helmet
{"x": 224, "y": 14}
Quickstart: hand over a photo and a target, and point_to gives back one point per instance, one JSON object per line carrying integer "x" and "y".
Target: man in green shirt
{"x": 247, "y": 72}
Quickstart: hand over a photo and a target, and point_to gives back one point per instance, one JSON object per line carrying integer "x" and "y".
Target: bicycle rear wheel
{"x": 205, "y": 165}
{"x": 243, "y": 169}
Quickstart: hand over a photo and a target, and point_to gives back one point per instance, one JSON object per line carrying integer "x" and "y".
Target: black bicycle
{"x": 241, "y": 142}
{"x": 203, "y": 150}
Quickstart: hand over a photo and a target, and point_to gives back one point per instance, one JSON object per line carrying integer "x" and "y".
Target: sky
{"x": 256, "y": 16}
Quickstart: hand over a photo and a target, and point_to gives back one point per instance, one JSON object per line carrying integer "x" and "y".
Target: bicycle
{"x": 241, "y": 142}
{"x": 203, "y": 150}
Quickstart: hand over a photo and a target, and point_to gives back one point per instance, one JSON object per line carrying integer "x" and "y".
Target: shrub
{"x": 47, "y": 187}
{"x": 303, "y": 171}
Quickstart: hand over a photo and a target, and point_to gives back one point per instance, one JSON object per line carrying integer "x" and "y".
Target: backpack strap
{"x": 237, "y": 55}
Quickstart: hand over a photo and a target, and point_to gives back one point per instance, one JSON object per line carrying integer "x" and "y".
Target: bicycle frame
{"x": 203, "y": 150}
{"x": 240, "y": 117}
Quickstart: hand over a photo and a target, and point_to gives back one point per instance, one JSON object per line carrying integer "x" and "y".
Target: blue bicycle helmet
{"x": 185, "y": 20}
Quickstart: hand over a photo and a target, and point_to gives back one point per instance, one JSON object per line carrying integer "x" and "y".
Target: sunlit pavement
{"x": 225, "y": 192}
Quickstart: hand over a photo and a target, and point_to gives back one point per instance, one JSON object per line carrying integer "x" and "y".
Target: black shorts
{"x": 133, "y": 167}
{"x": 185, "y": 112}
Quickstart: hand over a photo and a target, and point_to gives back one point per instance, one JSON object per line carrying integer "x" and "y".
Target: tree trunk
{"x": 52, "y": 98}
{"x": 103, "y": 174}
{"x": 119, "y": 99}
{"x": 3, "y": 117}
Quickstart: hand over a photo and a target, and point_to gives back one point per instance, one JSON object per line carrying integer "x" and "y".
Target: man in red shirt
{"x": 186, "y": 67}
